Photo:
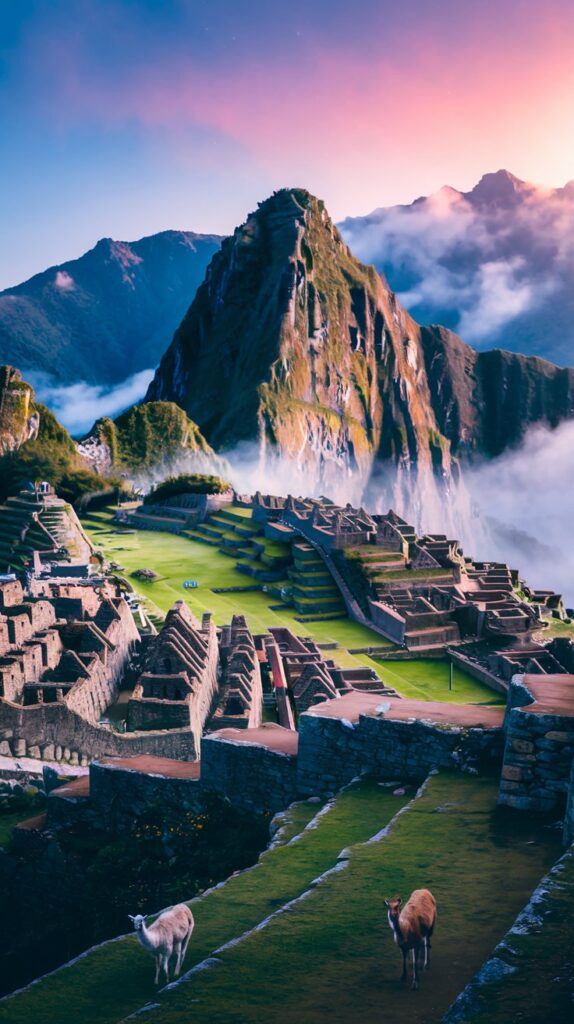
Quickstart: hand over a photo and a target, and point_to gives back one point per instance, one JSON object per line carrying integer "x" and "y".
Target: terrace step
{"x": 112, "y": 980}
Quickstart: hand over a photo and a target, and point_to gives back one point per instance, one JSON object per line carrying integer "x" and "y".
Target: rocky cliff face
{"x": 293, "y": 342}
{"x": 107, "y": 315}
{"x": 19, "y": 419}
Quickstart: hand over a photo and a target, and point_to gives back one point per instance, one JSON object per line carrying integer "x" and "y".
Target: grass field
{"x": 428, "y": 679}
{"x": 177, "y": 558}
{"x": 330, "y": 956}
{"x": 115, "y": 979}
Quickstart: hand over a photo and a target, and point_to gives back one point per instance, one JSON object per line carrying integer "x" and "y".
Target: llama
{"x": 170, "y": 932}
{"x": 412, "y": 926}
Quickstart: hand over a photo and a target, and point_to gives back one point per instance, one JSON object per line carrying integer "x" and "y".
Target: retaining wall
{"x": 332, "y": 751}
{"x": 537, "y": 761}
{"x": 252, "y": 777}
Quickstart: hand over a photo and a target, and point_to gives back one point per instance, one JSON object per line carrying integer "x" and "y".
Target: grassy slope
{"x": 179, "y": 558}
{"x": 331, "y": 957}
{"x": 117, "y": 978}
{"x": 544, "y": 953}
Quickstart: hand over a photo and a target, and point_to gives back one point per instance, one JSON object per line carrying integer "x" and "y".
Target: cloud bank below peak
{"x": 79, "y": 405}
{"x": 496, "y": 264}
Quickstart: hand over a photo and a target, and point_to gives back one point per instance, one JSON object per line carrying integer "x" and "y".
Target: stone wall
{"x": 145, "y": 713}
{"x": 252, "y": 777}
{"x": 569, "y": 816}
{"x": 90, "y": 697}
{"x": 537, "y": 760}
{"x": 332, "y": 751}
{"x": 118, "y": 795}
{"x": 477, "y": 671}
{"x": 55, "y": 733}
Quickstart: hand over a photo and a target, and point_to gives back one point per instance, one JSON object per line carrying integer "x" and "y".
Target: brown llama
{"x": 412, "y": 925}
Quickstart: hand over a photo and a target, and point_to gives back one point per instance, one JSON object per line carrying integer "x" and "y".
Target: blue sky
{"x": 125, "y": 117}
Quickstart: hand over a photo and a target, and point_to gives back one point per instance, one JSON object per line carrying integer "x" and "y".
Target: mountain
{"x": 153, "y": 438}
{"x": 108, "y": 314}
{"x": 294, "y": 343}
{"x": 495, "y": 264}
{"x": 146, "y": 441}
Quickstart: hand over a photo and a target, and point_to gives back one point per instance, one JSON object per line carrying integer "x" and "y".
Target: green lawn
{"x": 177, "y": 558}
{"x": 331, "y": 956}
{"x": 117, "y": 978}
{"x": 425, "y": 679}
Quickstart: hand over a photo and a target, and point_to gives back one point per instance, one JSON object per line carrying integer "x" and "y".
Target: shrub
{"x": 186, "y": 483}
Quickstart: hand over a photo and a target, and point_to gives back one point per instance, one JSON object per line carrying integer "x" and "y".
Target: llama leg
{"x": 157, "y": 966}
{"x": 178, "y": 946}
{"x": 166, "y": 966}
{"x": 415, "y": 984}
{"x": 404, "y": 974}
{"x": 427, "y": 953}
{"x": 185, "y": 945}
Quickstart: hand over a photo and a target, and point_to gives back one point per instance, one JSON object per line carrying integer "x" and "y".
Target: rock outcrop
{"x": 293, "y": 342}
{"x": 19, "y": 418}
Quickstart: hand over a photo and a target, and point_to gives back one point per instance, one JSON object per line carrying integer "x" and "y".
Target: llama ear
{"x": 399, "y": 900}
{"x": 131, "y": 917}
{"x": 387, "y": 904}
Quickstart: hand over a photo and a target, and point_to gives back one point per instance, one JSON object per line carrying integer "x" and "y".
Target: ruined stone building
{"x": 179, "y": 683}
{"x": 240, "y": 701}
{"x": 62, "y": 643}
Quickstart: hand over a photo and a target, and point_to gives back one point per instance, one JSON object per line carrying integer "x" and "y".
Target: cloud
{"x": 78, "y": 405}
{"x": 524, "y": 501}
{"x": 63, "y": 281}
{"x": 492, "y": 271}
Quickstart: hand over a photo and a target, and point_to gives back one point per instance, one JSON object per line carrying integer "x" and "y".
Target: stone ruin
{"x": 177, "y": 687}
{"x": 312, "y": 679}
{"x": 240, "y": 701}
{"x": 62, "y": 643}
{"x": 37, "y": 525}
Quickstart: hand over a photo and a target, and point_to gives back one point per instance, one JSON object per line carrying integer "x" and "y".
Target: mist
{"x": 517, "y": 509}
{"x": 525, "y": 501}
{"x": 79, "y": 405}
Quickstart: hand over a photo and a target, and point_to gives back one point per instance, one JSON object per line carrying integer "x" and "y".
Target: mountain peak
{"x": 497, "y": 187}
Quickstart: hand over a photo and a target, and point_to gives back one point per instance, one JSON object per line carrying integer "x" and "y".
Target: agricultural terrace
{"x": 177, "y": 558}
{"x": 333, "y": 941}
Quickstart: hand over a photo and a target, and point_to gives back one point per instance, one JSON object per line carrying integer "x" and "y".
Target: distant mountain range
{"x": 107, "y": 315}
{"x": 495, "y": 264}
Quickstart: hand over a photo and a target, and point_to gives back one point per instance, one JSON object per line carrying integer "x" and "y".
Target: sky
{"x": 126, "y": 117}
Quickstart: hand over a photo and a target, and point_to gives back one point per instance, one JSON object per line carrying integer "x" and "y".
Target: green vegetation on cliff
{"x": 49, "y": 454}
{"x": 146, "y": 436}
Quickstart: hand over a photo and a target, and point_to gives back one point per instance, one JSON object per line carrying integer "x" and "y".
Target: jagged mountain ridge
{"x": 495, "y": 263}
{"x": 108, "y": 314}
{"x": 293, "y": 342}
